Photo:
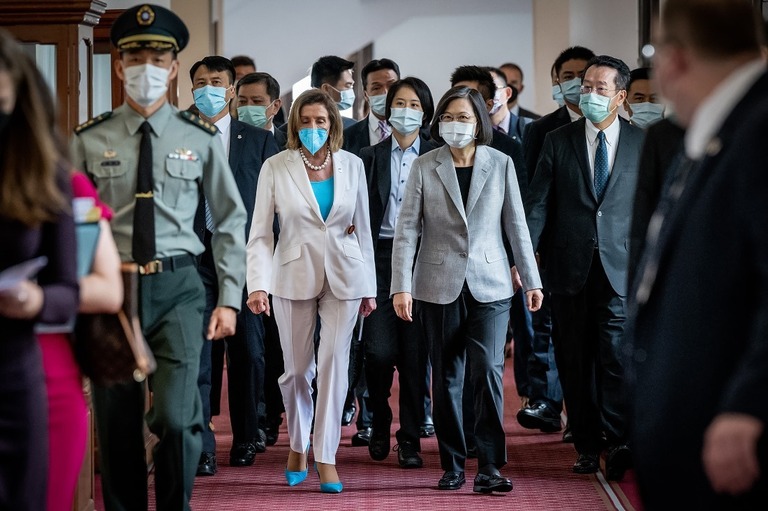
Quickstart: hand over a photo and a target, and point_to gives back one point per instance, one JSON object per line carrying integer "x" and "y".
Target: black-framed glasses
{"x": 466, "y": 118}
{"x": 603, "y": 91}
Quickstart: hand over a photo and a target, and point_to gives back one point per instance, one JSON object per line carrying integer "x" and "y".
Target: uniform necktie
{"x": 601, "y": 166}
{"x": 143, "y": 247}
{"x": 383, "y": 129}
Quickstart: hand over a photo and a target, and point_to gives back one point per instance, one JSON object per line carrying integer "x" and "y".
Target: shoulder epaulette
{"x": 200, "y": 123}
{"x": 92, "y": 122}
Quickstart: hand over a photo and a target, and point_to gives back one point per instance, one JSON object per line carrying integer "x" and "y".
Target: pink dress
{"x": 67, "y": 412}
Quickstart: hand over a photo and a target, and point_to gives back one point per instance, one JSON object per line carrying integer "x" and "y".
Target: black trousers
{"x": 466, "y": 331}
{"x": 390, "y": 343}
{"x": 588, "y": 329}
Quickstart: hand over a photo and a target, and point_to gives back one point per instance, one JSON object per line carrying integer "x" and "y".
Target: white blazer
{"x": 310, "y": 249}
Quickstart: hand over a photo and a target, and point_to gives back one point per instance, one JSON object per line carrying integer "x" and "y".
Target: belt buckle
{"x": 151, "y": 267}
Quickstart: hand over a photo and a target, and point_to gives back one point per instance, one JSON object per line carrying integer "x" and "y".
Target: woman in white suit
{"x": 458, "y": 201}
{"x": 323, "y": 264}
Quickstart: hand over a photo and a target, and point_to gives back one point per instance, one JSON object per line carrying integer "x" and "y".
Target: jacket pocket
{"x": 495, "y": 254}
{"x": 289, "y": 254}
{"x": 352, "y": 251}
{"x": 430, "y": 257}
{"x": 181, "y": 178}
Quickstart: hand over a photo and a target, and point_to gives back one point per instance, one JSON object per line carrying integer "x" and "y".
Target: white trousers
{"x": 296, "y": 321}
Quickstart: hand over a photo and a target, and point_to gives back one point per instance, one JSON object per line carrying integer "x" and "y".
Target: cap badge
{"x": 145, "y": 16}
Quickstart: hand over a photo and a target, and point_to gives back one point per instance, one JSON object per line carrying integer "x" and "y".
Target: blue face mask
{"x": 210, "y": 100}
{"x": 347, "y": 98}
{"x": 255, "y": 115}
{"x": 571, "y": 90}
{"x": 645, "y": 114}
{"x": 313, "y": 138}
{"x": 405, "y": 120}
{"x": 557, "y": 95}
{"x": 378, "y": 104}
{"x": 595, "y": 107}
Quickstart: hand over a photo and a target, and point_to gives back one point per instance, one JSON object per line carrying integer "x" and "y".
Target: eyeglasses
{"x": 586, "y": 89}
{"x": 466, "y": 118}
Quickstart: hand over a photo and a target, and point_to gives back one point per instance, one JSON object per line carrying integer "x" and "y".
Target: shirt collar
{"x": 709, "y": 117}
{"x": 158, "y": 120}
{"x": 573, "y": 115}
{"x": 611, "y": 132}
{"x": 223, "y": 124}
{"x": 415, "y": 147}
{"x": 504, "y": 124}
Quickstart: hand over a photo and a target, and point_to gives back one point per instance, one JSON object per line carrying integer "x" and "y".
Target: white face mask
{"x": 457, "y": 134}
{"x": 146, "y": 83}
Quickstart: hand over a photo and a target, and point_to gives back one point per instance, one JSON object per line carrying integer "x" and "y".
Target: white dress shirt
{"x": 611, "y": 139}
{"x": 373, "y": 130}
{"x": 224, "y": 124}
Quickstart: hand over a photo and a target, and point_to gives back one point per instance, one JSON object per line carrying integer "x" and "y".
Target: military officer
{"x": 150, "y": 162}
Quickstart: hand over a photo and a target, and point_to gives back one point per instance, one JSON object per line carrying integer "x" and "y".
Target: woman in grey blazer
{"x": 458, "y": 201}
{"x": 322, "y": 265}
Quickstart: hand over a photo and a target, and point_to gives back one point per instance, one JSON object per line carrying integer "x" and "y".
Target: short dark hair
{"x": 328, "y": 69}
{"x": 641, "y": 73}
{"x": 716, "y": 28}
{"x": 422, "y": 92}
{"x": 572, "y": 53}
{"x": 378, "y": 65}
{"x": 513, "y": 66}
{"x": 243, "y": 60}
{"x": 485, "y": 83}
{"x": 273, "y": 88}
{"x": 622, "y": 71}
{"x": 485, "y": 128}
{"x": 214, "y": 63}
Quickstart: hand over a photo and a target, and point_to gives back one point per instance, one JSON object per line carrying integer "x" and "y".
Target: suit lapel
{"x": 340, "y": 183}
{"x": 447, "y": 174}
{"x": 579, "y": 141}
{"x": 236, "y": 141}
{"x": 479, "y": 177}
{"x": 295, "y": 168}
{"x": 384, "y": 171}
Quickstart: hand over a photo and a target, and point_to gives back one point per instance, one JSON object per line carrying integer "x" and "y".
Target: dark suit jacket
{"x": 517, "y": 126}
{"x": 535, "y": 133}
{"x": 356, "y": 137}
{"x": 562, "y": 198}
{"x": 377, "y": 160}
{"x": 529, "y": 114}
{"x": 514, "y": 149}
{"x": 281, "y": 138}
{"x": 699, "y": 325}
{"x": 663, "y": 143}
{"x": 249, "y": 146}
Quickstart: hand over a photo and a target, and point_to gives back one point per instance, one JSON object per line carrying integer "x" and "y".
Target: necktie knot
{"x": 145, "y": 128}
{"x": 384, "y": 128}
{"x": 601, "y": 136}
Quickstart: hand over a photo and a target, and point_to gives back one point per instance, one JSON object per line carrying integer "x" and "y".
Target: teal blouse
{"x": 324, "y": 195}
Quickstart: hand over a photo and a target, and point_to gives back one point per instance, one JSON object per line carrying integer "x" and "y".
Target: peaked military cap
{"x": 149, "y": 26}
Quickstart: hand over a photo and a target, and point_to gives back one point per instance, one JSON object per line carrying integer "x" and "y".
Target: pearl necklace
{"x": 316, "y": 168}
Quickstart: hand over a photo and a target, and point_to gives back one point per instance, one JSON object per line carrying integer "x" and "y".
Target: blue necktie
{"x": 601, "y": 166}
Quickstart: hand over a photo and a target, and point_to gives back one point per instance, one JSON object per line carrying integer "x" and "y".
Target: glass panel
{"x": 44, "y": 56}
{"x": 102, "y": 83}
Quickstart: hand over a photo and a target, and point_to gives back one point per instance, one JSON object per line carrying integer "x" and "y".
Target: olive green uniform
{"x": 187, "y": 158}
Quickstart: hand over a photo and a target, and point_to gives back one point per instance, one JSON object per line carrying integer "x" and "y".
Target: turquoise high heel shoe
{"x": 329, "y": 487}
{"x": 295, "y": 477}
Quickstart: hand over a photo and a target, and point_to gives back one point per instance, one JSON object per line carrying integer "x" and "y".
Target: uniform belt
{"x": 165, "y": 264}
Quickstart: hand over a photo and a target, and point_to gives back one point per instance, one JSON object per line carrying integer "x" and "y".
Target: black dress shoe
{"x": 349, "y": 415}
{"x": 242, "y": 454}
{"x": 539, "y": 416}
{"x": 260, "y": 442}
{"x": 586, "y": 464}
{"x": 427, "y": 430}
{"x": 617, "y": 461}
{"x": 378, "y": 447}
{"x": 272, "y": 430}
{"x": 207, "y": 465}
{"x": 362, "y": 438}
{"x": 451, "y": 481}
{"x": 490, "y": 483}
{"x": 408, "y": 456}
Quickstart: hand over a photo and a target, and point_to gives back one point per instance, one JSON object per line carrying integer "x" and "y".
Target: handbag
{"x": 111, "y": 348}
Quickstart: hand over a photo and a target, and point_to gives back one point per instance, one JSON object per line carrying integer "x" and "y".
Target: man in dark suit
{"x": 513, "y": 75}
{"x": 699, "y": 307}
{"x": 247, "y": 148}
{"x": 585, "y": 178}
{"x": 258, "y": 102}
{"x": 377, "y": 76}
{"x": 502, "y": 117}
{"x": 389, "y": 341}
{"x": 545, "y": 396}
{"x": 334, "y": 76}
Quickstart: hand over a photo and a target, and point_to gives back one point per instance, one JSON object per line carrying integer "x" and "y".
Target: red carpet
{"x": 539, "y": 466}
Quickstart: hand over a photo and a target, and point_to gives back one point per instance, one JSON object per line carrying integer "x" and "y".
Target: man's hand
{"x": 730, "y": 452}
{"x": 534, "y": 299}
{"x": 403, "y": 305}
{"x": 222, "y": 324}
{"x": 258, "y": 302}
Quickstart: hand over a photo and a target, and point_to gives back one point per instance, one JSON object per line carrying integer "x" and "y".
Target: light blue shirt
{"x": 324, "y": 195}
{"x": 400, "y": 167}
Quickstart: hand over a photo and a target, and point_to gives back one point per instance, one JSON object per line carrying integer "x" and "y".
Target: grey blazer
{"x": 459, "y": 244}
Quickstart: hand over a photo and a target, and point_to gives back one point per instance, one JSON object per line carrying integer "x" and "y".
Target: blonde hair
{"x": 315, "y": 97}
{"x": 29, "y": 190}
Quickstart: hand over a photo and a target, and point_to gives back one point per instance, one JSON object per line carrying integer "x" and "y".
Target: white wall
{"x": 607, "y": 27}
